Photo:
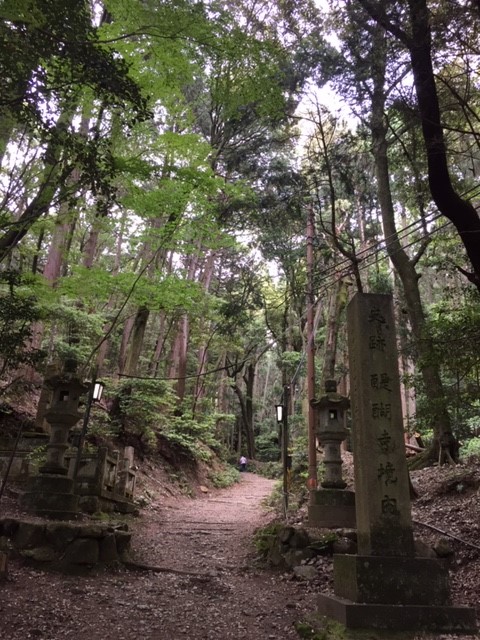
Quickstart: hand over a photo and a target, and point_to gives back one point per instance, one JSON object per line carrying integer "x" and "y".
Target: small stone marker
{"x": 385, "y": 585}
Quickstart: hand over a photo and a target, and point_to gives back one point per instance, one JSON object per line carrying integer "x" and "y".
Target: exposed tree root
{"x": 139, "y": 566}
{"x": 445, "y": 533}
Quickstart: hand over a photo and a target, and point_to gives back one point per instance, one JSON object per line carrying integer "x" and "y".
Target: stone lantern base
{"x": 332, "y": 508}
{"x": 51, "y": 496}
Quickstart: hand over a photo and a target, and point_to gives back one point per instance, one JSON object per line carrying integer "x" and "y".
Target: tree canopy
{"x": 159, "y": 165}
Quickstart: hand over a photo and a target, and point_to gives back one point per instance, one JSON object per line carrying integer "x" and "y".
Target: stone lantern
{"x": 332, "y": 505}
{"x": 50, "y": 493}
{"x": 330, "y": 414}
{"x": 62, "y": 415}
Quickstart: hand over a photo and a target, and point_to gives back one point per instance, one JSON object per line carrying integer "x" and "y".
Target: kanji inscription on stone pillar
{"x": 381, "y": 476}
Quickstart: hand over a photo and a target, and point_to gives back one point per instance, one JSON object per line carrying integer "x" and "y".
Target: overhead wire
{"x": 342, "y": 275}
{"x": 334, "y": 275}
{"x": 377, "y": 248}
{"x": 381, "y": 245}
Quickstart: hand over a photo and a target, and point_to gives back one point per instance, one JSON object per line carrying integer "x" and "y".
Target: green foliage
{"x": 267, "y": 446}
{"x": 379, "y": 282}
{"x": 272, "y": 470}
{"x": 77, "y": 329}
{"x": 455, "y": 329}
{"x": 100, "y": 425}
{"x": 190, "y": 433}
{"x": 62, "y": 38}
{"x": 470, "y": 448}
{"x": 144, "y": 407}
{"x": 38, "y": 455}
{"x": 147, "y": 408}
{"x": 18, "y": 310}
{"x": 180, "y": 479}
{"x": 265, "y": 536}
{"x": 292, "y": 362}
{"x": 224, "y": 478}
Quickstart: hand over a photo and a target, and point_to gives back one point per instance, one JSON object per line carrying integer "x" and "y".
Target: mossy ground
{"x": 318, "y": 627}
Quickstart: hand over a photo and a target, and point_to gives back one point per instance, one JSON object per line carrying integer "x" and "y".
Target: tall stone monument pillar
{"x": 384, "y": 525}
{"x": 385, "y": 585}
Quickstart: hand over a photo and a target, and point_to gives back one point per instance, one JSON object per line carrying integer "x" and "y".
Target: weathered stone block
{"x": 122, "y": 539}
{"x": 108, "y": 549}
{"x": 89, "y": 504}
{"x": 383, "y": 515}
{"x": 295, "y": 557}
{"x": 275, "y": 557}
{"x": 49, "y": 483}
{"x": 332, "y": 497}
{"x": 92, "y": 531}
{"x": 285, "y": 534}
{"x": 9, "y": 527}
{"x": 305, "y": 572}
{"x": 300, "y": 539}
{"x": 344, "y": 545}
{"x": 40, "y": 554}
{"x": 388, "y": 580}
{"x": 60, "y": 535}
{"x": 29, "y": 535}
{"x": 331, "y": 508}
{"x": 82, "y": 551}
{"x": 398, "y": 617}
{"x": 331, "y": 517}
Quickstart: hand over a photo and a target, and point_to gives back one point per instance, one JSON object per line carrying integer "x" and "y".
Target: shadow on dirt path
{"x": 207, "y": 588}
{"x": 209, "y": 533}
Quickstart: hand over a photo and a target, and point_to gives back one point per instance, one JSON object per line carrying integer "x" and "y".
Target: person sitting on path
{"x": 243, "y": 463}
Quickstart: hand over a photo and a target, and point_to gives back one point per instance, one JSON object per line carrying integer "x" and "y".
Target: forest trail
{"x": 206, "y": 585}
{"x": 208, "y": 534}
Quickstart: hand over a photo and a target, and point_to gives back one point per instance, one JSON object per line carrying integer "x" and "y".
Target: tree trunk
{"x": 54, "y": 175}
{"x": 202, "y": 357}
{"x": 178, "y": 368}
{"x": 136, "y": 341}
{"x": 123, "y": 351}
{"x": 179, "y": 357}
{"x": 159, "y": 344}
{"x": 249, "y": 378}
{"x": 243, "y": 421}
{"x": 338, "y": 303}
{"x": 405, "y": 267}
{"x": 460, "y": 212}
{"x": 419, "y": 43}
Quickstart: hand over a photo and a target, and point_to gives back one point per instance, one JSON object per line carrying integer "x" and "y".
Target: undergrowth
{"x": 318, "y": 627}
{"x": 224, "y": 478}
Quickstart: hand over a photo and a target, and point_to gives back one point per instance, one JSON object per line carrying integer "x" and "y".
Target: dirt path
{"x": 208, "y": 587}
{"x": 211, "y": 533}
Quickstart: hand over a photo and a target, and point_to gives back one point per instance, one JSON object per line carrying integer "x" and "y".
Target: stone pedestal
{"x": 413, "y": 581}
{"x": 51, "y": 496}
{"x": 384, "y": 586}
{"x": 430, "y": 618}
{"x": 331, "y": 508}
